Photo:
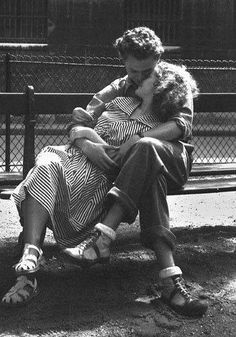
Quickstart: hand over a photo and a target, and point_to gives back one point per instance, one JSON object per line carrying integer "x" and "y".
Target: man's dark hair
{"x": 140, "y": 42}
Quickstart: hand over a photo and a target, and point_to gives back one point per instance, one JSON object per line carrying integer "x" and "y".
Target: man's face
{"x": 139, "y": 70}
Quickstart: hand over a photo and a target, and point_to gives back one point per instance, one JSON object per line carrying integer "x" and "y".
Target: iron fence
{"x": 214, "y": 135}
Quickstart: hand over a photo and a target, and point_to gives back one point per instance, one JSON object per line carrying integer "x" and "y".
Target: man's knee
{"x": 147, "y": 146}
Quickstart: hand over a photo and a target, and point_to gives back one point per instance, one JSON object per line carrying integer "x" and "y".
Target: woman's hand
{"x": 98, "y": 154}
{"x": 81, "y": 116}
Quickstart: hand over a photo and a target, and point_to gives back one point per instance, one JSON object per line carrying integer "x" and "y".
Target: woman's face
{"x": 146, "y": 88}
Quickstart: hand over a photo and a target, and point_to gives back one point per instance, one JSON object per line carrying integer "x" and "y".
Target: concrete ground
{"x": 216, "y": 209}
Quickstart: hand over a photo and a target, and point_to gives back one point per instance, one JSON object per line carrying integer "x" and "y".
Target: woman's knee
{"x": 47, "y": 159}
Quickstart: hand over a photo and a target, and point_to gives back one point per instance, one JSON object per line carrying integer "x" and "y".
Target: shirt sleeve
{"x": 97, "y": 105}
{"x": 184, "y": 117}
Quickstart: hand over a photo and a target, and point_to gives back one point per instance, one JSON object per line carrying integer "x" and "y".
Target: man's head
{"x": 141, "y": 49}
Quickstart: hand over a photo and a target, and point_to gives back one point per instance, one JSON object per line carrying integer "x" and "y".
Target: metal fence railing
{"x": 214, "y": 136}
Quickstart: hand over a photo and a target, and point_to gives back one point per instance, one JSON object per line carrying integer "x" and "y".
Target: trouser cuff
{"x": 129, "y": 207}
{"x": 106, "y": 230}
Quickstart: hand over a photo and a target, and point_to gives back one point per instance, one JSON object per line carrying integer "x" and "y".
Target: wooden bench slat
{"x": 213, "y": 169}
{"x": 12, "y": 103}
{"x": 10, "y": 178}
{"x": 60, "y": 103}
{"x": 215, "y": 102}
{"x": 193, "y": 186}
{"x": 207, "y": 186}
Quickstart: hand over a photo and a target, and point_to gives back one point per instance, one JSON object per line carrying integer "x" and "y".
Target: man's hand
{"x": 118, "y": 153}
{"x": 98, "y": 154}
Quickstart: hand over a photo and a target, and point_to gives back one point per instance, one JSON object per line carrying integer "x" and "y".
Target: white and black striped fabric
{"x": 70, "y": 187}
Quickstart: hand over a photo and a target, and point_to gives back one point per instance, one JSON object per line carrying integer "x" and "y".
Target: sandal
{"x": 29, "y": 263}
{"x": 21, "y": 293}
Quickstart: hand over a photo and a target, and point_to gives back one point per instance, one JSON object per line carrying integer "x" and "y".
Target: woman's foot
{"x": 21, "y": 293}
{"x": 30, "y": 261}
{"x": 95, "y": 248}
{"x": 176, "y": 295}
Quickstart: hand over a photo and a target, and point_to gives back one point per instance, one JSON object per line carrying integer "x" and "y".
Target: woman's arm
{"x": 85, "y": 132}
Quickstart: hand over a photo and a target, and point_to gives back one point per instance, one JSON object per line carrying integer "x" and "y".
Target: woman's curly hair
{"x": 173, "y": 84}
{"x": 140, "y": 42}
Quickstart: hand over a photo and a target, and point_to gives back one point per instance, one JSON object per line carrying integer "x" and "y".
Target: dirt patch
{"x": 119, "y": 299}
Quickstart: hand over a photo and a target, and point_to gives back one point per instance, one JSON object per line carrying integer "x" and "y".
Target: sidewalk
{"x": 216, "y": 209}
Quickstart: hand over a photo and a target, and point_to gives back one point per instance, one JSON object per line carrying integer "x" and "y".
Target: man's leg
{"x": 142, "y": 183}
{"x": 151, "y": 168}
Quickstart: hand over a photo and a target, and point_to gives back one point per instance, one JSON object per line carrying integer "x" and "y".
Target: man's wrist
{"x": 81, "y": 143}
{"x": 140, "y": 134}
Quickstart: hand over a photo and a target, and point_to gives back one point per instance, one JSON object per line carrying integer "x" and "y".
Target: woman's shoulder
{"x": 126, "y": 104}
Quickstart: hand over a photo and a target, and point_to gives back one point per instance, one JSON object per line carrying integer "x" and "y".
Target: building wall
{"x": 202, "y": 28}
{"x": 209, "y": 28}
{"x": 80, "y": 24}
{"x": 189, "y": 28}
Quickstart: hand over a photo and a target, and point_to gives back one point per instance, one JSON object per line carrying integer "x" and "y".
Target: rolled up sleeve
{"x": 184, "y": 118}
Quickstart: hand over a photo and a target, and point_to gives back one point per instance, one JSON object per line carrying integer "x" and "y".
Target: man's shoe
{"x": 176, "y": 295}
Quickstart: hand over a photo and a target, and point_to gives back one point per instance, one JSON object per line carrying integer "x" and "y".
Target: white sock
{"x": 103, "y": 243}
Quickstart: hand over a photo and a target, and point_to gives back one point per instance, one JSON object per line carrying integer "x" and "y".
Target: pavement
{"x": 215, "y": 209}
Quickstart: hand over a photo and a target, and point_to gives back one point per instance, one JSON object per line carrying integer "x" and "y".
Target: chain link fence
{"x": 214, "y": 135}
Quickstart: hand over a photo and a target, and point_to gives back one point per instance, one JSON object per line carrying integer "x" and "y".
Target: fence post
{"x": 28, "y": 157}
{"x": 8, "y": 117}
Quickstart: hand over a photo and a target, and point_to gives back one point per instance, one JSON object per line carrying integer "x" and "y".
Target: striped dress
{"x": 69, "y": 186}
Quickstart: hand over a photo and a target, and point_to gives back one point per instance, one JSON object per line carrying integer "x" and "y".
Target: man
{"x": 151, "y": 163}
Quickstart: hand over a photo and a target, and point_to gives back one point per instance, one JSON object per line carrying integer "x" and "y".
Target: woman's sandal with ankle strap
{"x": 21, "y": 293}
{"x": 29, "y": 263}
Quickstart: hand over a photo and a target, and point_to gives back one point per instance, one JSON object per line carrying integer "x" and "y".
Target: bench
{"x": 204, "y": 178}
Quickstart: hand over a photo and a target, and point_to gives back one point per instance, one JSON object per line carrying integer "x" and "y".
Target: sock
{"x": 165, "y": 276}
{"x": 103, "y": 242}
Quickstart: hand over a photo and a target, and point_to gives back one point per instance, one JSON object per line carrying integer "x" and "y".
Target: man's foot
{"x": 30, "y": 261}
{"x": 95, "y": 248}
{"x": 176, "y": 295}
{"x": 21, "y": 293}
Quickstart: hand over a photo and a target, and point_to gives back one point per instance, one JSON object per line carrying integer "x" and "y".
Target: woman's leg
{"x": 35, "y": 218}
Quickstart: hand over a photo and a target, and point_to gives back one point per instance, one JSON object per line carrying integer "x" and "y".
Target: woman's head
{"x": 172, "y": 85}
{"x": 168, "y": 85}
{"x": 174, "y": 79}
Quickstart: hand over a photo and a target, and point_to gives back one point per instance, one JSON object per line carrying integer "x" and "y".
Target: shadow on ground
{"x": 118, "y": 299}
